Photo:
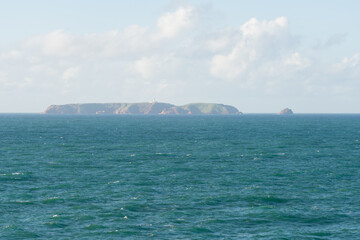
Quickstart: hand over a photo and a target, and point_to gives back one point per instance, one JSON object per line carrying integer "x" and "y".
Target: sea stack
{"x": 286, "y": 111}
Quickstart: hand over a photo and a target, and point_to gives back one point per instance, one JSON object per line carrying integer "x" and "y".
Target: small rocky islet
{"x": 286, "y": 111}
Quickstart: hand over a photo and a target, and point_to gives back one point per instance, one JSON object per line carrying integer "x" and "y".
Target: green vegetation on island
{"x": 154, "y": 108}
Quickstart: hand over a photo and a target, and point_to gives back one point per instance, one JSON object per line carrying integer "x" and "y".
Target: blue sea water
{"x": 180, "y": 177}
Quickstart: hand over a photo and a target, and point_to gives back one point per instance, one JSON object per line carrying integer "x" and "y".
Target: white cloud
{"x": 351, "y": 61}
{"x": 218, "y": 44}
{"x": 173, "y": 23}
{"x": 232, "y": 65}
{"x": 70, "y": 73}
{"x": 145, "y": 67}
{"x": 55, "y": 43}
{"x": 297, "y": 60}
{"x": 158, "y": 66}
{"x": 12, "y": 55}
{"x": 263, "y": 48}
{"x": 254, "y": 28}
{"x": 133, "y": 41}
{"x": 221, "y": 40}
{"x": 347, "y": 71}
{"x": 174, "y": 60}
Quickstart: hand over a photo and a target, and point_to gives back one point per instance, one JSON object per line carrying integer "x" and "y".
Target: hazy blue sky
{"x": 260, "y": 56}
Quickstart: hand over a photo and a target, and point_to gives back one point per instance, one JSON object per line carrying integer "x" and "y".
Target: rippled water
{"x": 194, "y": 177}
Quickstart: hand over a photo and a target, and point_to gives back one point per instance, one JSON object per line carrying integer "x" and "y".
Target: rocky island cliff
{"x": 154, "y": 108}
{"x": 286, "y": 111}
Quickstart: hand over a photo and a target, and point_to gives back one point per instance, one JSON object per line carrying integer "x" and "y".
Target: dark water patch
{"x": 55, "y": 225}
{"x": 94, "y": 227}
{"x": 265, "y": 200}
{"x": 16, "y": 232}
{"x": 200, "y": 230}
{"x": 320, "y": 234}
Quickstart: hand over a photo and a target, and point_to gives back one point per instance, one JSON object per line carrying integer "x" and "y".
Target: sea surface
{"x": 180, "y": 177}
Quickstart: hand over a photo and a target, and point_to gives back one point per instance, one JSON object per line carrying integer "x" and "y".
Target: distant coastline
{"x": 153, "y": 108}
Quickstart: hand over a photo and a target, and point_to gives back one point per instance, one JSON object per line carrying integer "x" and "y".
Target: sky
{"x": 259, "y": 56}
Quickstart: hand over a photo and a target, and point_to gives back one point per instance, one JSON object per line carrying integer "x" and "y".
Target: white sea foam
{"x": 113, "y": 182}
{"x": 21, "y": 201}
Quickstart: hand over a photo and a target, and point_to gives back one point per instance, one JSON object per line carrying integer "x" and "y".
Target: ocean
{"x": 252, "y": 176}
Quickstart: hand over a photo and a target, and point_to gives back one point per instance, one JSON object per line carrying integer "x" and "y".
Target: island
{"x": 286, "y": 111}
{"x": 152, "y": 108}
